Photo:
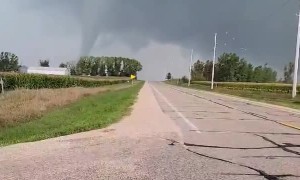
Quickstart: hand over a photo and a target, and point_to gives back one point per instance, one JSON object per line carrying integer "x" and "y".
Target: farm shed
{"x": 44, "y": 70}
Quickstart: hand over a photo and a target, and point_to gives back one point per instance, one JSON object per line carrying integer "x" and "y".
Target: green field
{"x": 273, "y": 93}
{"x": 37, "y": 81}
{"x": 92, "y": 112}
{"x": 250, "y": 86}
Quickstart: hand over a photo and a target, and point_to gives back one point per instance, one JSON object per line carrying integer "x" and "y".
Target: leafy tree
{"x": 242, "y": 72}
{"x": 198, "y": 71}
{"x": 208, "y": 70}
{"x": 184, "y": 79}
{"x": 84, "y": 65}
{"x": 63, "y": 65}
{"x": 249, "y": 73}
{"x": 94, "y": 68}
{"x": 288, "y": 72}
{"x": 117, "y": 66}
{"x": 72, "y": 67}
{"x": 269, "y": 75}
{"x": 109, "y": 62}
{"x": 169, "y": 76}
{"x": 228, "y": 64}
{"x": 44, "y": 63}
{"x": 101, "y": 69}
{"x": 232, "y": 68}
{"x": 9, "y": 62}
{"x": 258, "y": 74}
{"x": 264, "y": 74}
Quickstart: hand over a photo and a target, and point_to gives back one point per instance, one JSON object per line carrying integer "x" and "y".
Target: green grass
{"x": 103, "y": 78}
{"x": 282, "y": 99}
{"x": 93, "y": 112}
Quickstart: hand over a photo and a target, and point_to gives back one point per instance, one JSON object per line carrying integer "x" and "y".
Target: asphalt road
{"x": 172, "y": 133}
{"x": 246, "y": 140}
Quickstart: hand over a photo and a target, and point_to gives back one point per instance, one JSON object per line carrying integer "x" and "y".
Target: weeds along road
{"x": 172, "y": 133}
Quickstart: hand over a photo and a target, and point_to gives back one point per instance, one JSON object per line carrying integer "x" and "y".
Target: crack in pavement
{"x": 229, "y": 107}
{"x": 260, "y": 172}
{"x": 283, "y": 147}
{"x": 241, "y": 148}
{"x": 248, "y": 132}
{"x": 278, "y": 176}
{"x": 270, "y": 157}
{"x": 185, "y": 111}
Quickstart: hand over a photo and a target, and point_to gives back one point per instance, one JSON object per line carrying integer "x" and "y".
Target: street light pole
{"x": 294, "y": 93}
{"x": 214, "y": 60}
{"x": 190, "y": 72}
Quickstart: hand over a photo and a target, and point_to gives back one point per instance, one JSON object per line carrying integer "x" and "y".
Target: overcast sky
{"x": 159, "y": 33}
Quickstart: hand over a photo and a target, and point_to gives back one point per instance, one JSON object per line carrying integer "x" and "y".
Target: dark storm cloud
{"x": 266, "y": 28}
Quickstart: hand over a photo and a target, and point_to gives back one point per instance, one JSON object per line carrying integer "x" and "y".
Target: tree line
{"x": 231, "y": 68}
{"x": 112, "y": 66}
{"x": 100, "y": 66}
{"x": 88, "y": 65}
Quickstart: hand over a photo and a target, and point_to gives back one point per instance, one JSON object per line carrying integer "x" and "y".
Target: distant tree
{"x": 242, "y": 72}
{"x": 63, "y": 65}
{"x": 9, "y": 62}
{"x": 250, "y": 73}
{"x": 208, "y": 70}
{"x": 117, "y": 66}
{"x": 198, "y": 71}
{"x": 72, "y": 67}
{"x": 269, "y": 75}
{"x": 184, "y": 79}
{"x": 258, "y": 74}
{"x": 84, "y": 65}
{"x": 228, "y": 66}
{"x": 169, "y": 76}
{"x": 101, "y": 69}
{"x": 44, "y": 63}
{"x": 231, "y": 68}
{"x": 288, "y": 72}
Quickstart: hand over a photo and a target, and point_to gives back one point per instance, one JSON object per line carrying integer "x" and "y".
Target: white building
{"x": 44, "y": 70}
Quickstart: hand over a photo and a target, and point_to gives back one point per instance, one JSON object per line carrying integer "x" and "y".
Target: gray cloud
{"x": 267, "y": 29}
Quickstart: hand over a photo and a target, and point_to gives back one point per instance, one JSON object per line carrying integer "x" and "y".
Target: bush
{"x": 35, "y": 81}
{"x": 266, "y": 87}
{"x": 184, "y": 79}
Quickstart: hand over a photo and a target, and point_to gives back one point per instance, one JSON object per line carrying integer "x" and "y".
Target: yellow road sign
{"x": 132, "y": 77}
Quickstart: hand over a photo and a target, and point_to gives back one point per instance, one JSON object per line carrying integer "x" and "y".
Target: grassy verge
{"x": 89, "y": 113}
{"x": 25, "y": 105}
{"x": 282, "y": 99}
{"x": 103, "y": 78}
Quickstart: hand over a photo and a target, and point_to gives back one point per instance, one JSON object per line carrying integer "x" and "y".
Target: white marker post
{"x": 2, "y": 86}
{"x": 214, "y": 60}
{"x": 106, "y": 71}
{"x": 190, "y": 72}
{"x": 294, "y": 93}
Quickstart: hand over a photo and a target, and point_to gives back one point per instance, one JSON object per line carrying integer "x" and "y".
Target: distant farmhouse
{"x": 44, "y": 70}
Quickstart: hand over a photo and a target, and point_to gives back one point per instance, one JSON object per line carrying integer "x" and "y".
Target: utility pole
{"x": 190, "y": 73}
{"x": 294, "y": 93}
{"x": 214, "y": 60}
